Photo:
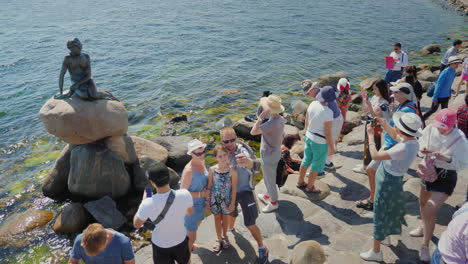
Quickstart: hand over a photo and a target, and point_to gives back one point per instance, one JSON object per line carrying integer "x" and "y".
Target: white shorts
{"x": 337, "y": 124}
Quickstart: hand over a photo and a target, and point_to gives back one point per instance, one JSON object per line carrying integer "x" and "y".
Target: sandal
{"x": 301, "y": 185}
{"x": 365, "y": 204}
{"x": 218, "y": 246}
{"x": 312, "y": 190}
{"x": 226, "y": 243}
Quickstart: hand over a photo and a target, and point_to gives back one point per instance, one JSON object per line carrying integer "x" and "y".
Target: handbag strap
{"x": 169, "y": 202}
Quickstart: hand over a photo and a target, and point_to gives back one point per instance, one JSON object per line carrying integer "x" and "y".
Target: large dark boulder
{"x": 177, "y": 148}
{"x": 73, "y": 219}
{"x": 331, "y": 79}
{"x": 55, "y": 186}
{"x": 243, "y": 128}
{"x": 95, "y": 172}
{"x": 430, "y": 49}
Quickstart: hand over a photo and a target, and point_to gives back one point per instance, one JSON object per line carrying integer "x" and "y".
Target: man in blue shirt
{"x": 443, "y": 89}
{"x": 98, "y": 245}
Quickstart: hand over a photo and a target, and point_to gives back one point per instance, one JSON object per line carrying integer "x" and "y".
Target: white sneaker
{"x": 360, "y": 169}
{"x": 418, "y": 232}
{"x": 424, "y": 254}
{"x": 372, "y": 256}
{"x": 387, "y": 241}
{"x": 270, "y": 208}
{"x": 265, "y": 198}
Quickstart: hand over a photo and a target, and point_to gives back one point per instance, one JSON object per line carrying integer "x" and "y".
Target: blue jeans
{"x": 392, "y": 76}
{"x": 436, "y": 258}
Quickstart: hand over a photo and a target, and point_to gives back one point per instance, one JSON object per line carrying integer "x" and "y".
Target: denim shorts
{"x": 191, "y": 221}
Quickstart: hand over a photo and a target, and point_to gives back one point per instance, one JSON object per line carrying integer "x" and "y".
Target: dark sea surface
{"x": 206, "y": 59}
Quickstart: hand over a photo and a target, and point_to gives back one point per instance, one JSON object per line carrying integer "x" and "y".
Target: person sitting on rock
{"x": 377, "y": 106}
{"x": 443, "y": 141}
{"x": 319, "y": 138}
{"x": 78, "y": 65}
{"x": 195, "y": 180}
{"x": 272, "y": 133}
{"x": 169, "y": 237}
{"x": 222, "y": 183}
{"x": 292, "y": 164}
{"x": 99, "y": 245}
{"x": 389, "y": 206}
{"x": 242, "y": 158}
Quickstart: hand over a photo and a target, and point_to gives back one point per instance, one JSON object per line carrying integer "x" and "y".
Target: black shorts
{"x": 445, "y": 183}
{"x": 179, "y": 253}
{"x": 247, "y": 202}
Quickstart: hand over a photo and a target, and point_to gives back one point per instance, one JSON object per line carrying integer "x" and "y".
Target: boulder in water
{"x": 150, "y": 149}
{"x": 366, "y": 84}
{"x": 243, "y": 128}
{"x": 95, "y": 172}
{"x": 123, "y": 147}
{"x": 17, "y": 224}
{"x": 55, "y": 186}
{"x": 331, "y": 79}
{"x": 430, "y": 49}
{"x": 81, "y": 122}
{"x": 73, "y": 218}
{"x": 177, "y": 148}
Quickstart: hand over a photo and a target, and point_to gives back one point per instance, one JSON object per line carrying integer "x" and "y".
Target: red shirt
{"x": 462, "y": 119}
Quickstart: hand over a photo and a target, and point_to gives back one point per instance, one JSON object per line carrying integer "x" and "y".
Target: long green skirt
{"x": 389, "y": 206}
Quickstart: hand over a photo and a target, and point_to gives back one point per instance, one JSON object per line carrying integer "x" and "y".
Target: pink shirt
{"x": 453, "y": 244}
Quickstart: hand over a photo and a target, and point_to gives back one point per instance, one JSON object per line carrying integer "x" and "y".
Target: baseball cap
{"x": 445, "y": 119}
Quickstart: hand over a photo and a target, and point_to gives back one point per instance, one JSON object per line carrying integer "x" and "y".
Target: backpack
{"x": 430, "y": 89}
{"x": 256, "y": 163}
{"x": 426, "y": 167}
{"x": 282, "y": 169}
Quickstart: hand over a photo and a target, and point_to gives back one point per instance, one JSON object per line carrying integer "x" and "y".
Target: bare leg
{"x": 371, "y": 175}
{"x": 218, "y": 223}
{"x": 423, "y": 198}
{"x": 92, "y": 91}
{"x": 312, "y": 177}
{"x": 231, "y": 222}
{"x": 224, "y": 224}
{"x": 430, "y": 211}
{"x": 302, "y": 173}
{"x": 192, "y": 237}
{"x": 255, "y": 231}
{"x": 376, "y": 246}
{"x": 458, "y": 87}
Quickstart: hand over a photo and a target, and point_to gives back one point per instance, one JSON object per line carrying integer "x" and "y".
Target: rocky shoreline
{"x": 458, "y": 5}
{"x": 101, "y": 169}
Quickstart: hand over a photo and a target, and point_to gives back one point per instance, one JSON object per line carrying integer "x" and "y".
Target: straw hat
{"x": 409, "y": 123}
{"x": 194, "y": 144}
{"x": 272, "y": 103}
{"x": 454, "y": 59}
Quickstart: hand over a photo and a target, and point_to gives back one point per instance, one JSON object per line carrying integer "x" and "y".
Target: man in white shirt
{"x": 169, "y": 238}
{"x": 401, "y": 61}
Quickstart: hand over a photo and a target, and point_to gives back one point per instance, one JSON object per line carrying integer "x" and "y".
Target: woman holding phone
{"x": 448, "y": 146}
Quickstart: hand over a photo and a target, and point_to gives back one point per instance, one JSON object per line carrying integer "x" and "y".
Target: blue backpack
{"x": 430, "y": 90}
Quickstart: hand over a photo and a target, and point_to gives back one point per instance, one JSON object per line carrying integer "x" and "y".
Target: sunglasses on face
{"x": 229, "y": 140}
{"x": 198, "y": 154}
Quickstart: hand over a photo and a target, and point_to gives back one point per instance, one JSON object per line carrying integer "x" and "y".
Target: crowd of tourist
{"x": 395, "y": 134}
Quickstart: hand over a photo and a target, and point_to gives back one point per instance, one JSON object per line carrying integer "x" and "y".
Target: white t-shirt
{"x": 318, "y": 115}
{"x": 381, "y": 103}
{"x": 402, "y": 155}
{"x": 439, "y": 143}
{"x": 171, "y": 230}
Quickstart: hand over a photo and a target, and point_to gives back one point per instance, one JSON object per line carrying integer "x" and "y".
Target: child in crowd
{"x": 222, "y": 183}
{"x": 463, "y": 78}
{"x": 344, "y": 98}
{"x": 291, "y": 164}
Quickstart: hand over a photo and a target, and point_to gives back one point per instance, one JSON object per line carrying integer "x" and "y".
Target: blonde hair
{"x": 219, "y": 148}
{"x": 226, "y": 131}
{"x": 94, "y": 237}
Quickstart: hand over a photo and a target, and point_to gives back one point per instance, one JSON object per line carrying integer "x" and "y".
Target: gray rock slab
{"x": 105, "y": 212}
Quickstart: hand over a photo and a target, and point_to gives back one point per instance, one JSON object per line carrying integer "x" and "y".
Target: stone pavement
{"x": 342, "y": 229}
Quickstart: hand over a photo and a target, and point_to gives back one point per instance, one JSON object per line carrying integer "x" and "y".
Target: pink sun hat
{"x": 445, "y": 119}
